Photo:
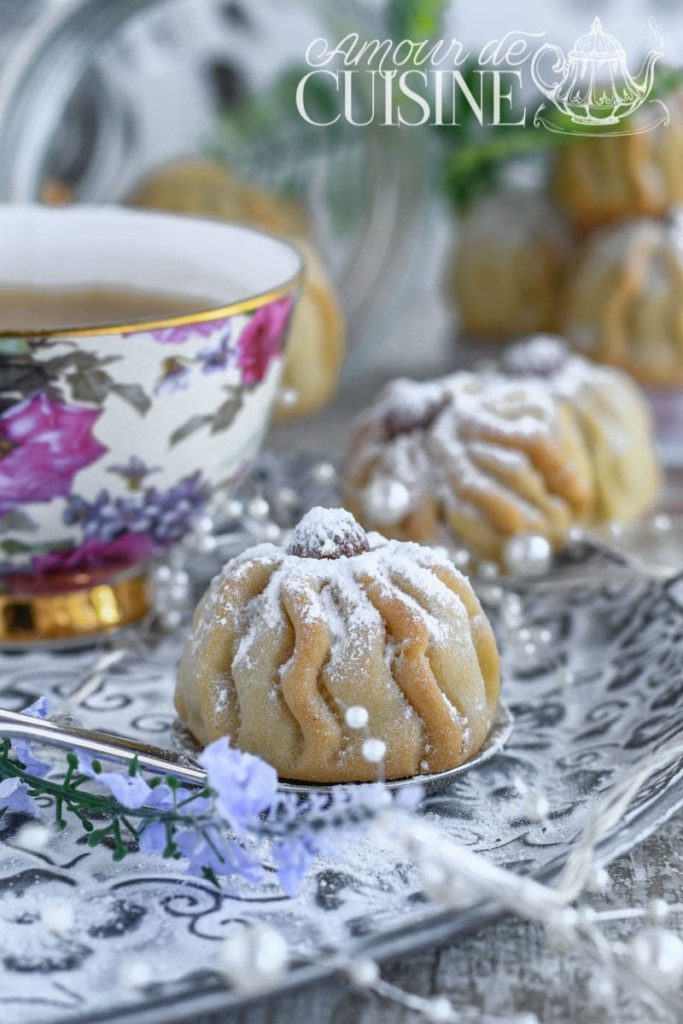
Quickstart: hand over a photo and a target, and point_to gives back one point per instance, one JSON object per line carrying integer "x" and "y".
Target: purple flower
{"x": 107, "y": 518}
{"x": 43, "y": 444}
{"x": 15, "y": 799}
{"x": 261, "y": 340}
{"x": 175, "y": 379}
{"x": 96, "y": 555}
{"x": 185, "y": 332}
{"x": 129, "y": 790}
{"x": 161, "y": 797}
{"x": 215, "y": 359}
{"x": 134, "y": 471}
{"x": 153, "y": 838}
{"x": 245, "y": 785}
{"x": 293, "y": 856}
{"x": 22, "y": 748}
{"x": 164, "y": 515}
{"x": 171, "y": 512}
{"x": 210, "y": 850}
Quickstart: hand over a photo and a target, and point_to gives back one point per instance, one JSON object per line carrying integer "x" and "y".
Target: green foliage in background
{"x": 474, "y": 156}
{"x": 415, "y": 19}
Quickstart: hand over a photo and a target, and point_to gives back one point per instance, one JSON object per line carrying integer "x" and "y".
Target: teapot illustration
{"x": 595, "y": 86}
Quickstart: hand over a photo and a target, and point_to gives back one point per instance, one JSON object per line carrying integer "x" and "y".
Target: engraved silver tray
{"x": 593, "y": 673}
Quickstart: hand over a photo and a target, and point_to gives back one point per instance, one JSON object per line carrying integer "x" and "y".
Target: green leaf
{"x": 17, "y": 520}
{"x": 97, "y": 835}
{"x": 14, "y": 547}
{"x": 225, "y": 414}
{"x": 14, "y": 347}
{"x": 135, "y": 395}
{"x": 20, "y": 375}
{"x": 210, "y": 875}
{"x": 189, "y": 427}
{"x": 91, "y": 385}
{"x": 415, "y": 19}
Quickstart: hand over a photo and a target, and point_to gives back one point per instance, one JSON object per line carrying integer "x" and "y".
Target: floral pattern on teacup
{"x": 43, "y": 444}
{"x": 110, "y": 447}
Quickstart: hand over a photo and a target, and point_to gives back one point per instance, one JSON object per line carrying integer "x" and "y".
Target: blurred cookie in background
{"x": 624, "y": 300}
{"x": 511, "y": 256}
{"x": 315, "y": 351}
{"x": 609, "y": 178}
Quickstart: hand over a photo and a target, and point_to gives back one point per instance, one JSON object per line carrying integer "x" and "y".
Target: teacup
{"x": 114, "y": 438}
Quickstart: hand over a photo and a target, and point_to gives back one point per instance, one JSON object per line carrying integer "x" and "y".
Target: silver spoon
{"x": 102, "y": 745}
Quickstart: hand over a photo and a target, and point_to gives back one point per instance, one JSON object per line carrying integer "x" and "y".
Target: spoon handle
{"x": 119, "y": 749}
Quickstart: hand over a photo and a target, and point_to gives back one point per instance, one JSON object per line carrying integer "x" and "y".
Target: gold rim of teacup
{"x": 202, "y": 316}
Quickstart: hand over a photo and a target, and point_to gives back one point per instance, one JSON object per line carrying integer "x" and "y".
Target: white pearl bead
{"x": 561, "y": 929}
{"x": 205, "y": 544}
{"x": 288, "y": 397}
{"x": 602, "y": 988}
{"x": 374, "y": 750}
{"x": 527, "y": 555}
{"x": 493, "y": 595}
{"x": 233, "y": 509}
{"x": 356, "y": 717}
{"x": 134, "y": 974}
{"x": 287, "y": 496}
{"x": 363, "y": 973}
{"x": 461, "y": 558}
{"x": 324, "y": 473}
{"x": 258, "y": 508}
{"x": 597, "y": 880}
{"x": 566, "y": 677}
{"x": 488, "y": 570}
{"x": 386, "y": 501}
{"x": 512, "y": 609}
{"x": 204, "y": 525}
{"x": 657, "y": 911}
{"x": 662, "y": 522}
{"x": 536, "y": 807}
{"x": 658, "y": 955}
{"x": 178, "y": 593}
{"x": 33, "y": 836}
{"x": 438, "y": 1010}
{"x": 254, "y": 958}
{"x": 58, "y": 917}
{"x": 586, "y": 916}
{"x": 171, "y": 619}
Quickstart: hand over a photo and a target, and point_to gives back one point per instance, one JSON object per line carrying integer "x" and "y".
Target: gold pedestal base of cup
{"x": 27, "y": 619}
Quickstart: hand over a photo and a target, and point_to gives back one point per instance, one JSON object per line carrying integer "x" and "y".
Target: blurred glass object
{"x": 95, "y": 96}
